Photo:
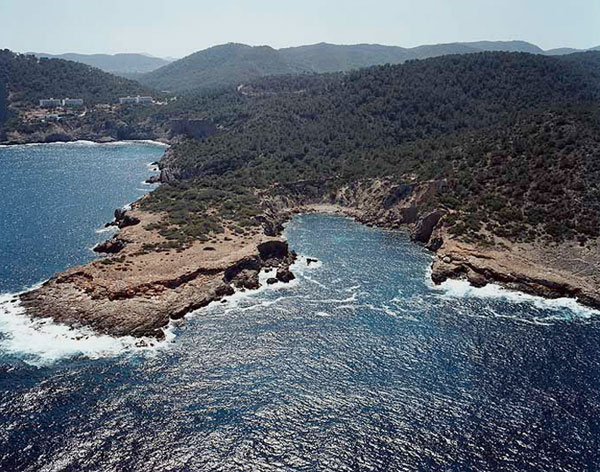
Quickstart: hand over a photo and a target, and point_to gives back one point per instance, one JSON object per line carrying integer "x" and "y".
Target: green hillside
{"x": 229, "y": 64}
{"x": 515, "y": 135}
{"x": 28, "y": 79}
{"x": 233, "y": 64}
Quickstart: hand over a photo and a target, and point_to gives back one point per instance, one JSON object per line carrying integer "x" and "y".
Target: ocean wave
{"x": 83, "y": 142}
{"x": 107, "y": 229}
{"x": 41, "y": 342}
{"x": 234, "y": 301}
{"x": 454, "y": 289}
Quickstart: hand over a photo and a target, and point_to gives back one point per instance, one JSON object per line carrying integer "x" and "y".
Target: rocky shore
{"x": 549, "y": 270}
{"x": 135, "y": 291}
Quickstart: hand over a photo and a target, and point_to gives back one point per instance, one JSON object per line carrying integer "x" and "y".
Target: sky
{"x": 177, "y": 28}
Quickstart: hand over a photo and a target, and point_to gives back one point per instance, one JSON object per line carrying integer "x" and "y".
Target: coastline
{"x": 162, "y": 142}
{"x": 527, "y": 268}
{"x": 135, "y": 291}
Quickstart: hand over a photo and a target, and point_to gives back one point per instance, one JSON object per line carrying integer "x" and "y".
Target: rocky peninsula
{"x": 136, "y": 291}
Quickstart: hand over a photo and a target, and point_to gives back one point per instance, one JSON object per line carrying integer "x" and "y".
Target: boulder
{"x": 248, "y": 263}
{"x": 112, "y": 246}
{"x": 476, "y": 279}
{"x": 246, "y": 279}
{"x": 122, "y": 219}
{"x": 273, "y": 250}
{"x": 272, "y": 280}
{"x": 285, "y": 275}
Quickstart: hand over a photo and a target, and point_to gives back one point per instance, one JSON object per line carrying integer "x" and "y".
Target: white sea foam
{"x": 42, "y": 342}
{"x": 463, "y": 289}
{"x": 83, "y": 142}
{"x": 107, "y": 229}
{"x": 233, "y": 302}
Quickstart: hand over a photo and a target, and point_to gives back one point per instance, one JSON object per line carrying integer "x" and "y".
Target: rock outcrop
{"x": 122, "y": 219}
{"x": 111, "y": 246}
{"x": 137, "y": 292}
{"x": 524, "y": 267}
{"x": 424, "y": 228}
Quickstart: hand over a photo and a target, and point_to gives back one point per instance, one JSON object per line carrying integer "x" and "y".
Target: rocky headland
{"x": 136, "y": 290}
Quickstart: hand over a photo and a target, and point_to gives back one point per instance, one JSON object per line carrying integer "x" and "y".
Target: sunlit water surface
{"x": 359, "y": 364}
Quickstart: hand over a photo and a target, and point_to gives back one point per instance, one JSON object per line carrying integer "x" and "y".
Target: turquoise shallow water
{"x": 359, "y": 364}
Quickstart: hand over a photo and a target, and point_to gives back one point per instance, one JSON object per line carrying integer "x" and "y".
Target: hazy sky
{"x": 180, "y": 27}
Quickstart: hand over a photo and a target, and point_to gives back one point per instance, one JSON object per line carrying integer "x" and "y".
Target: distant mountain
{"x": 227, "y": 64}
{"x": 119, "y": 64}
{"x": 506, "y": 46}
{"x": 232, "y": 64}
{"x": 560, "y": 51}
{"x": 324, "y": 57}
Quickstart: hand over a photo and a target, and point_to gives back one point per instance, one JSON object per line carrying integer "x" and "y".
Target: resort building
{"x": 50, "y": 102}
{"x": 72, "y": 102}
{"x": 127, "y": 100}
{"x": 134, "y": 100}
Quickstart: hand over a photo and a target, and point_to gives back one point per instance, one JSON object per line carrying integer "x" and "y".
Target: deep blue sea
{"x": 359, "y": 364}
{"x": 55, "y": 196}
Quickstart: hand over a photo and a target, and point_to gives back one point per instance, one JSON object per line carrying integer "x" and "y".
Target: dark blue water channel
{"x": 359, "y": 364}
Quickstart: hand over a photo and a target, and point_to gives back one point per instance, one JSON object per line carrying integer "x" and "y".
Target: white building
{"x": 50, "y": 102}
{"x": 134, "y": 100}
{"x": 72, "y": 102}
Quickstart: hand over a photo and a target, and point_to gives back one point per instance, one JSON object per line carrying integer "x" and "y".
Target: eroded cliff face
{"x": 549, "y": 270}
{"x": 562, "y": 270}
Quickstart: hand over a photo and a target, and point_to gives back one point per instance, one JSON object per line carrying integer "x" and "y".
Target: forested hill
{"x": 29, "y": 79}
{"x": 233, "y": 64}
{"x": 515, "y": 135}
{"x": 228, "y": 64}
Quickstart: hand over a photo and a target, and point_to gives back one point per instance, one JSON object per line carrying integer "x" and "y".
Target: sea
{"x": 359, "y": 364}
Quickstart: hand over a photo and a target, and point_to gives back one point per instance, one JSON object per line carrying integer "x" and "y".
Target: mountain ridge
{"x": 124, "y": 64}
{"x": 216, "y": 66}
